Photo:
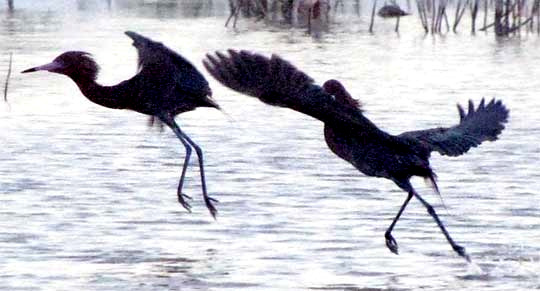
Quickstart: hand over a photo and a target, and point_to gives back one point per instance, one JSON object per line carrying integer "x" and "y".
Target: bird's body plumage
{"x": 348, "y": 133}
{"x": 165, "y": 85}
{"x": 392, "y": 159}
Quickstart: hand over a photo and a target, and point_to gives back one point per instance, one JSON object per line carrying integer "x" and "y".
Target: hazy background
{"x": 88, "y": 194}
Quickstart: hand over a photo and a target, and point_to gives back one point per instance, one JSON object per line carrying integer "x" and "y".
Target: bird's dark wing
{"x": 159, "y": 63}
{"x": 484, "y": 123}
{"x": 189, "y": 78}
{"x": 277, "y": 82}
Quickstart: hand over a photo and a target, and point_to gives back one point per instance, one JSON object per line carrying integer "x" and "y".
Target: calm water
{"x": 88, "y": 194}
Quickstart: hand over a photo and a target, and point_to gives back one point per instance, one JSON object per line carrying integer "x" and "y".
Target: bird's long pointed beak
{"x": 51, "y": 67}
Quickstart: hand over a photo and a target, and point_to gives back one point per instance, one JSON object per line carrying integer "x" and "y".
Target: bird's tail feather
{"x": 229, "y": 117}
{"x": 155, "y": 122}
{"x": 433, "y": 183}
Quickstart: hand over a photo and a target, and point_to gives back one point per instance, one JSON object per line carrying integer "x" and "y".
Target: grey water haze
{"x": 88, "y": 194}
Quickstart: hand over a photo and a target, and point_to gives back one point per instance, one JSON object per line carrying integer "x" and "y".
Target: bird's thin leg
{"x": 188, "y": 143}
{"x": 170, "y": 122}
{"x": 181, "y": 195}
{"x": 457, "y": 248}
{"x": 390, "y": 241}
{"x": 207, "y": 199}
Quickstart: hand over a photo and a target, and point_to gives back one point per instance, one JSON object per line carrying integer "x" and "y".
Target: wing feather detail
{"x": 277, "y": 82}
{"x": 476, "y": 125}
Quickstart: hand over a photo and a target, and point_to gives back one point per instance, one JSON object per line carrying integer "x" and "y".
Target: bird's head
{"x": 339, "y": 92}
{"x": 72, "y": 63}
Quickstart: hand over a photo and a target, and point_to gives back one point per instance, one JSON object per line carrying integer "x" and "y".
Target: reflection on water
{"x": 88, "y": 194}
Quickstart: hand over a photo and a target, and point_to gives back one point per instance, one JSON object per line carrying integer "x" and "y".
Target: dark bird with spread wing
{"x": 353, "y": 137}
{"x": 166, "y": 85}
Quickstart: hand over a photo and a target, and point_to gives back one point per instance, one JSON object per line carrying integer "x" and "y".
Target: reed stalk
{"x": 422, "y": 14}
{"x": 486, "y": 4}
{"x": 7, "y": 77}
{"x": 372, "y": 16}
{"x": 538, "y": 16}
{"x": 474, "y": 13}
{"x": 433, "y": 16}
{"x": 459, "y": 15}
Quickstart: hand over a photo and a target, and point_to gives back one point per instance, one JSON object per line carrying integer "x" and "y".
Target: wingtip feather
{"x": 461, "y": 112}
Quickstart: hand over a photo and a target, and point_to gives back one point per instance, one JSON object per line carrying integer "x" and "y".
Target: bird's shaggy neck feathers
{"x": 335, "y": 88}
{"x": 84, "y": 67}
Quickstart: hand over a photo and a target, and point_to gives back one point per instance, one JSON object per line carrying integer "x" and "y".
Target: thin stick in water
{"x": 485, "y": 12}
{"x": 446, "y": 21}
{"x": 433, "y": 16}
{"x": 372, "y": 16}
{"x": 456, "y": 18}
{"x": 460, "y": 15}
{"x": 422, "y": 14}
{"x": 474, "y": 13}
{"x": 7, "y": 77}
{"x": 538, "y": 17}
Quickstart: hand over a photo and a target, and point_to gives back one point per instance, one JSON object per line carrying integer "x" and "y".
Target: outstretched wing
{"x": 158, "y": 62}
{"x": 277, "y": 82}
{"x": 484, "y": 123}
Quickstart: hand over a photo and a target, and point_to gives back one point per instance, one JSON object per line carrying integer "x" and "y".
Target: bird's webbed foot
{"x": 183, "y": 201}
{"x": 391, "y": 243}
{"x": 208, "y": 201}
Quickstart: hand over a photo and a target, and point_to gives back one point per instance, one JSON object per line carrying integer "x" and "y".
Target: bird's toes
{"x": 461, "y": 251}
{"x": 183, "y": 202}
{"x": 186, "y": 205}
{"x": 213, "y": 212}
{"x": 391, "y": 243}
{"x": 208, "y": 201}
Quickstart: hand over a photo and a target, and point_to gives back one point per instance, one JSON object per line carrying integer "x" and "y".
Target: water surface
{"x": 88, "y": 194}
